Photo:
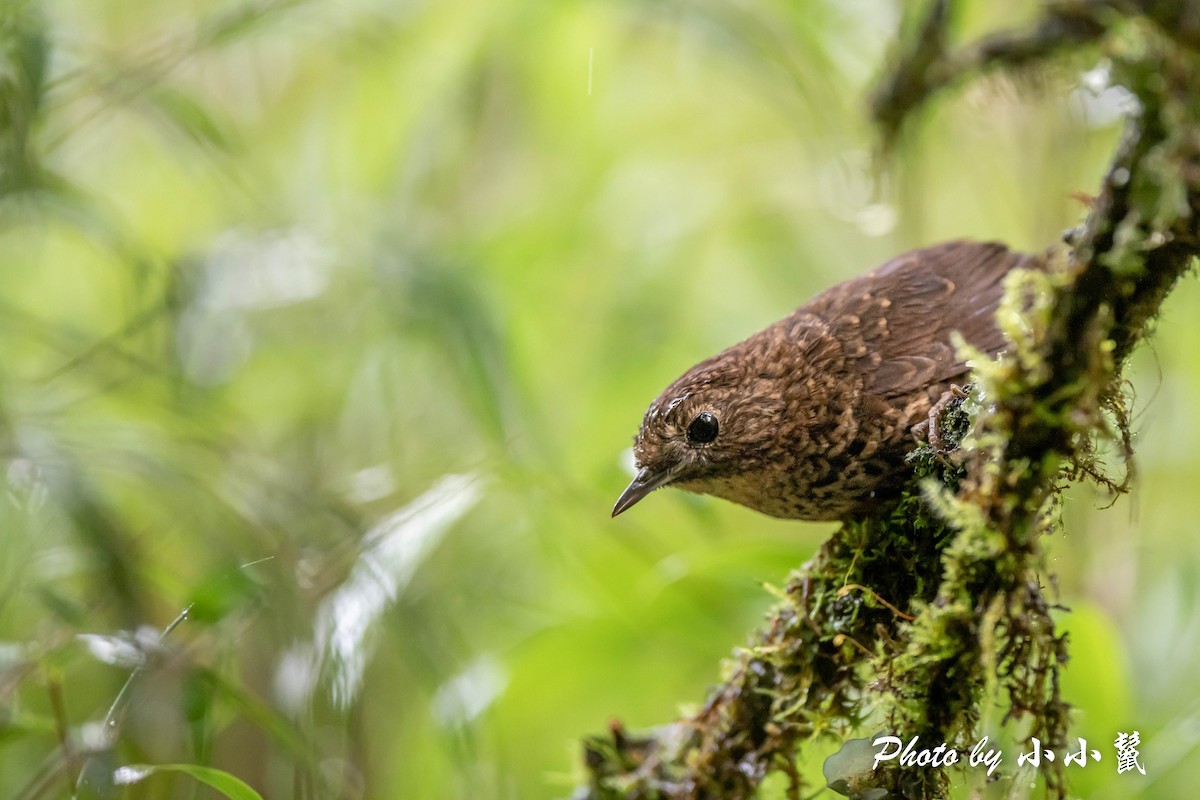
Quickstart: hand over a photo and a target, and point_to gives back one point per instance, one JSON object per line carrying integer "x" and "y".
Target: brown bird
{"x": 811, "y": 417}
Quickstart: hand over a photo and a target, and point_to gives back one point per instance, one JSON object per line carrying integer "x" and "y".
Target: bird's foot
{"x": 928, "y": 430}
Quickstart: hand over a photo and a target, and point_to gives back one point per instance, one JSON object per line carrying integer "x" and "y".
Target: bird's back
{"x": 900, "y": 315}
{"x": 891, "y": 332}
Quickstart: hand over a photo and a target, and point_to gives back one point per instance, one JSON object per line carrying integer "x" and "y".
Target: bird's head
{"x": 711, "y": 430}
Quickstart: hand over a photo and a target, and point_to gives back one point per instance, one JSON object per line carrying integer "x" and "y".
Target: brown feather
{"x": 928, "y": 294}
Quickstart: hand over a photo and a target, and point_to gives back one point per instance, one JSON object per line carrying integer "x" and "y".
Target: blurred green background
{"x": 336, "y": 319}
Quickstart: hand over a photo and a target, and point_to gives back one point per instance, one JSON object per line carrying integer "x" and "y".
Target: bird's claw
{"x": 927, "y": 430}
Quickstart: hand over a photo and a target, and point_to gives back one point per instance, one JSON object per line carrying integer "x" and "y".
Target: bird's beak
{"x": 645, "y": 482}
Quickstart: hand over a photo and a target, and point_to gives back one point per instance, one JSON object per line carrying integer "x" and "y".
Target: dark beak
{"x": 645, "y": 482}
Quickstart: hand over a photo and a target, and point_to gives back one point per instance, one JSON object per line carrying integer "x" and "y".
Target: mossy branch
{"x": 923, "y": 616}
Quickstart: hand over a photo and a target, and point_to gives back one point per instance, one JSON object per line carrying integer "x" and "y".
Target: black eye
{"x": 703, "y": 429}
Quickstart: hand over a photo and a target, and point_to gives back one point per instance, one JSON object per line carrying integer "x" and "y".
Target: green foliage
{"x": 330, "y": 322}
{"x": 223, "y": 782}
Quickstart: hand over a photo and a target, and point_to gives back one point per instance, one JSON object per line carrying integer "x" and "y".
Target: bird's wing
{"x": 895, "y": 321}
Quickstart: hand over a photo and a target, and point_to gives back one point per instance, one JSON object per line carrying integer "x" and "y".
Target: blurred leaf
{"x": 24, "y": 52}
{"x": 25, "y": 725}
{"x": 65, "y": 608}
{"x": 198, "y": 711}
{"x": 101, "y": 532}
{"x": 228, "y": 785}
{"x": 263, "y": 715}
{"x": 225, "y": 593}
{"x": 96, "y": 776}
{"x": 446, "y": 304}
{"x": 243, "y": 20}
{"x": 189, "y": 116}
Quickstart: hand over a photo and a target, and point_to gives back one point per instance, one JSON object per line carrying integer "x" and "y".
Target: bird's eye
{"x": 703, "y": 429}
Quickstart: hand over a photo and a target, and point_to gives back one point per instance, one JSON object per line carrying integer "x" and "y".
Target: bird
{"x": 811, "y": 418}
